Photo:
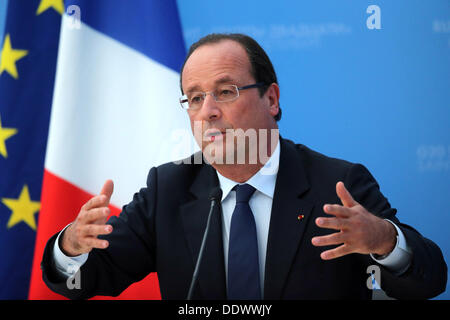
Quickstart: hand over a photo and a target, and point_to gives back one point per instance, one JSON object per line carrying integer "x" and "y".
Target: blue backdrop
{"x": 380, "y": 97}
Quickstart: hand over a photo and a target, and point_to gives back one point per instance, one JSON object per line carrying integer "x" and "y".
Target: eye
{"x": 196, "y": 98}
{"x": 225, "y": 92}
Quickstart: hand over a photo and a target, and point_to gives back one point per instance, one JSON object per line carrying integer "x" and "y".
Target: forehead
{"x": 211, "y": 63}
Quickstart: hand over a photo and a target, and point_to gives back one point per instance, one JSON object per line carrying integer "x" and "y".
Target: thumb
{"x": 345, "y": 196}
{"x": 108, "y": 189}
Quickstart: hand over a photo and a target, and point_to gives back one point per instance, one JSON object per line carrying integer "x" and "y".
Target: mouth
{"x": 213, "y": 135}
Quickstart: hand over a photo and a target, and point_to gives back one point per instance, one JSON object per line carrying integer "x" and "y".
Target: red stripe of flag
{"x": 60, "y": 203}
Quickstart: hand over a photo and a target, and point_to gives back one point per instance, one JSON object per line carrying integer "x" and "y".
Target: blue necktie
{"x": 243, "y": 264}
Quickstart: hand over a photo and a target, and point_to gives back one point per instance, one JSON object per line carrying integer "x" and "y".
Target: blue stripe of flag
{"x": 150, "y": 27}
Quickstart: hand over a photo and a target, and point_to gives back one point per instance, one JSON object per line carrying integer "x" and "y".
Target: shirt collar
{"x": 263, "y": 181}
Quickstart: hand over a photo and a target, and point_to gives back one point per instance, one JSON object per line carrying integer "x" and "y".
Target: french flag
{"x": 115, "y": 114}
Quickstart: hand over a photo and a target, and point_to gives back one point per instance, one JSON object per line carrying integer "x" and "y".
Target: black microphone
{"x": 215, "y": 196}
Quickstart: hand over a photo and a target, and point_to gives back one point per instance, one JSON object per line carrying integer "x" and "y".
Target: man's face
{"x": 226, "y": 62}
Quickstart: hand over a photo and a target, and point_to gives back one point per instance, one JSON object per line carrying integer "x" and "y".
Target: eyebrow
{"x": 225, "y": 79}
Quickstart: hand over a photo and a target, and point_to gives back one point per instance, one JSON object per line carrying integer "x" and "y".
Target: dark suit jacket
{"x": 162, "y": 228}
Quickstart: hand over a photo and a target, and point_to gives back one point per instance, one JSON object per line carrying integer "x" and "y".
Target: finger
{"x": 108, "y": 189}
{"x": 345, "y": 196}
{"x": 95, "y": 215}
{"x": 331, "y": 223}
{"x": 93, "y": 242}
{"x": 336, "y": 253}
{"x": 93, "y": 230}
{"x": 331, "y": 239}
{"x": 96, "y": 202}
{"x": 337, "y": 210}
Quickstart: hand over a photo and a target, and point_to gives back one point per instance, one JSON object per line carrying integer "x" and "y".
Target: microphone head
{"x": 215, "y": 194}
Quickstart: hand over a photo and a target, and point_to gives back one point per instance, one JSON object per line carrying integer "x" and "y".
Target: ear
{"x": 273, "y": 96}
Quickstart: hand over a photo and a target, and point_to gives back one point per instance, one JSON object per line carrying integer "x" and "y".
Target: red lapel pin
{"x": 300, "y": 216}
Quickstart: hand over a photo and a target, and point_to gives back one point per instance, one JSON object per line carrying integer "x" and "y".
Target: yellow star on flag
{"x": 9, "y": 57}
{"x": 23, "y": 209}
{"x": 5, "y": 133}
{"x": 58, "y": 5}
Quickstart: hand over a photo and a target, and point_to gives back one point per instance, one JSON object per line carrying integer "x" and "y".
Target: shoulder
{"x": 321, "y": 169}
{"x": 315, "y": 161}
{"x": 178, "y": 173}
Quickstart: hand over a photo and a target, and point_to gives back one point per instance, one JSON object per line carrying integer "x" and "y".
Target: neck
{"x": 243, "y": 172}
{"x": 239, "y": 172}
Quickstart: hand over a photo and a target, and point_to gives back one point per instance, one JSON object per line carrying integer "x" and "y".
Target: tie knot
{"x": 243, "y": 192}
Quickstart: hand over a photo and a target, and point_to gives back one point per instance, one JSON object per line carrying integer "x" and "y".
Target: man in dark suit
{"x": 279, "y": 232}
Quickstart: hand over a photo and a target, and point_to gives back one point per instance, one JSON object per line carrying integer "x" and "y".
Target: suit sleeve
{"x": 426, "y": 276}
{"x": 128, "y": 259}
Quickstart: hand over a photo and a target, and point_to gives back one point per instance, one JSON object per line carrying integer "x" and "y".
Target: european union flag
{"x": 27, "y": 74}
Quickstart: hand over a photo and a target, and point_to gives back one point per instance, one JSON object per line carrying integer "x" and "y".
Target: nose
{"x": 210, "y": 110}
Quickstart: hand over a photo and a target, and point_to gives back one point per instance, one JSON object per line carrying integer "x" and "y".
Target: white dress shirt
{"x": 261, "y": 205}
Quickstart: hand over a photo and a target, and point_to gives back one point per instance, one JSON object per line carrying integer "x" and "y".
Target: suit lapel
{"x": 289, "y": 218}
{"x": 194, "y": 215}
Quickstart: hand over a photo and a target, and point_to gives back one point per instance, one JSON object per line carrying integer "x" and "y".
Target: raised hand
{"x": 81, "y": 236}
{"x": 359, "y": 230}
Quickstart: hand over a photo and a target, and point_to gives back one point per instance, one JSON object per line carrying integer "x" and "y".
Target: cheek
{"x": 193, "y": 119}
{"x": 197, "y": 128}
{"x": 241, "y": 113}
{"x": 248, "y": 116}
